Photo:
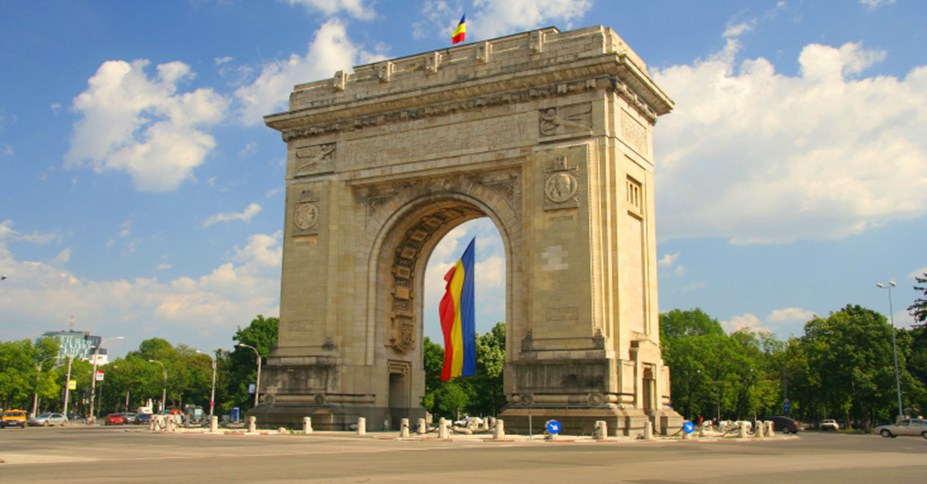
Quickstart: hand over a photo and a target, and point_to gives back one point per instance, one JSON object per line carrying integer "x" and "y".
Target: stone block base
{"x": 331, "y": 417}
{"x": 621, "y": 422}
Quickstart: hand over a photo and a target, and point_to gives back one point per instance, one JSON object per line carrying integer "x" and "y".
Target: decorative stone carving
{"x": 314, "y": 159}
{"x": 306, "y": 214}
{"x": 561, "y": 185}
{"x": 572, "y": 119}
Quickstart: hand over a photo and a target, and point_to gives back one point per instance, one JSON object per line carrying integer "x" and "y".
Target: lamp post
{"x": 212, "y": 393}
{"x": 38, "y": 374}
{"x": 257, "y": 385}
{"x": 891, "y": 315}
{"x": 163, "y": 384}
{"x": 93, "y": 377}
{"x": 67, "y": 385}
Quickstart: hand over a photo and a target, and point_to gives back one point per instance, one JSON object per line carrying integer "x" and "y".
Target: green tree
{"x": 850, "y": 366}
{"x": 238, "y": 368}
{"x": 918, "y": 310}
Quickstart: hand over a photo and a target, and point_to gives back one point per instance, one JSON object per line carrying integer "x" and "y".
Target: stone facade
{"x": 546, "y": 133}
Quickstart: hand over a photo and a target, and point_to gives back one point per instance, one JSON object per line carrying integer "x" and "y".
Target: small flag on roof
{"x": 460, "y": 33}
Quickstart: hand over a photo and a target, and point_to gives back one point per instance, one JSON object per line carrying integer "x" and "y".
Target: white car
{"x": 469, "y": 422}
{"x": 829, "y": 424}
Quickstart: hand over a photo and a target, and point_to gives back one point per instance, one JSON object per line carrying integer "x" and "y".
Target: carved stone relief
{"x": 306, "y": 214}
{"x": 561, "y": 185}
{"x": 314, "y": 159}
{"x": 571, "y": 119}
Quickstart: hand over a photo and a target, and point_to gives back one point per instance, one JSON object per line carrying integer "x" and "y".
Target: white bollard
{"x": 648, "y": 430}
{"x": 213, "y": 424}
{"x": 742, "y": 429}
{"x": 361, "y": 426}
{"x": 252, "y": 424}
{"x": 770, "y": 429}
{"x": 421, "y": 427}
{"x": 307, "y": 425}
{"x": 601, "y": 430}
{"x": 403, "y": 428}
{"x": 498, "y": 431}
{"x": 760, "y": 430}
{"x": 442, "y": 429}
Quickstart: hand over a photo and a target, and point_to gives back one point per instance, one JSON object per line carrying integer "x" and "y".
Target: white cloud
{"x": 738, "y": 29}
{"x": 760, "y": 157}
{"x": 494, "y": 18}
{"x": 747, "y": 320}
{"x": 331, "y": 50}
{"x": 143, "y": 126}
{"x": 917, "y": 273}
{"x": 789, "y": 315}
{"x": 876, "y": 3}
{"x": 250, "y": 211}
{"x": 185, "y": 309}
{"x": 356, "y": 8}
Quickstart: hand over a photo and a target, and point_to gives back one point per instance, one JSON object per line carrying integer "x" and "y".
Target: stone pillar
{"x": 421, "y": 429}
{"x": 770, "y": 429}
{"x": 485, "y": 425}
{"x": 759, "y": 431}
{"x": 307, "y": 425}
{"x": 742, "y": 429}
{"x": 648, "y": 430}
{"x": 252, "y": 424}
{"x": 601, "y": 430}
{"x": 361, "y": 426}
{"x": 214, "y": 424}
{"x": 498, "y": 432}
{"x": 442, "y": 429}
{"x": 171, "y": 424}
{"x": 404, "y": 428}
{"x": 686, "y": 435}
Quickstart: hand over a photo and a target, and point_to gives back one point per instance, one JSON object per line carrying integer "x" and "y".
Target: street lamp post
{"x": 67, "y": 385}
{"x": 891, "y": 315}
{"x": 212, "y": 393}
{"x": 257, "y": 385}
{"x": 163, "y": 384}
{"x": 38, "y": 374}
{"x": 93, "y": 377}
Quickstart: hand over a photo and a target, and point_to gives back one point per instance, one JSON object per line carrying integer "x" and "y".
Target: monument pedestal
{"x": 621, "y": 421}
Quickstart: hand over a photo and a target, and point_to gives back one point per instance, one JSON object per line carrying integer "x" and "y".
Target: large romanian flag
{"x": 460, "y": 33}
{"x": 457, "y": 319}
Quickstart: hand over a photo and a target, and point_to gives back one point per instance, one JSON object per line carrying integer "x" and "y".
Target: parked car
{"x": 13, "y": 418}
{"x": 908, "y": 426}
{"x": 829, "y": 424}
{"x": 129, "y": 417}
{"x": 143, "y": 419}
{"x": 115, "y": 419}
{"x": 47, "y": 419}
{"x": 784, "y": 424}
{"x": 469, "y": 422}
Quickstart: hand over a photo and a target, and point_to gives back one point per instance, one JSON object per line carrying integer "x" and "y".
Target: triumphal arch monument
{"x": 548, "y": 134}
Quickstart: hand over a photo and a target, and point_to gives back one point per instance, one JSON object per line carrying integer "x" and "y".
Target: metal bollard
{"x": 498, "y": 431}
{"x": 421, "y": 427}
{"x": 252, "y": 424}
{"x": 648, "y": 430}
{"x": 442, "y": 429}
{"x": 403, "y": 428}
{"x": 361, "y": 426}
{"x": 601, "y": 430}
{"x": 307, "y": 425}
{"x": 213, "y": 424}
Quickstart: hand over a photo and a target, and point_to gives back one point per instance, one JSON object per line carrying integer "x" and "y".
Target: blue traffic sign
{"x": 553, "y": 427}
{"x": 689, "y": 427}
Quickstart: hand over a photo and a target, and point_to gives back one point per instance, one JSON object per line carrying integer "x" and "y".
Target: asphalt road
{"x": 104, "y": 455}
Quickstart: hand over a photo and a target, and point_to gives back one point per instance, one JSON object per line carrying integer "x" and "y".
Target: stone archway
{"x": 547, "y": 133}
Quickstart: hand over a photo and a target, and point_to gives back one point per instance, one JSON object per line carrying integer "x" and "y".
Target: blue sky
{"x": 141, "y": 194}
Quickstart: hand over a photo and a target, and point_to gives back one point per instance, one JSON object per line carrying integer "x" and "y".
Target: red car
{"x": 115, "y": 419}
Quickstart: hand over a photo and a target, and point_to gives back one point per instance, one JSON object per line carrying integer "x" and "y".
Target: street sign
{"x": 251, "y": 388}
{"x": 786, "y": 406}
{"x": 553, "y": 427}
{"x": 99, "y": 375}
{"x": 72, "y": 384}
{"x": 688, "y": 427}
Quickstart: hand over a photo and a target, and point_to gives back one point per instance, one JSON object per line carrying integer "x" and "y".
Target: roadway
{"x": 127, "y": 454}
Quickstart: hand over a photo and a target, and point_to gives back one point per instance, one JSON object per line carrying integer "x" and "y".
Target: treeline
{"x": 32, "y": 375}
{"x": 842, "y": 367}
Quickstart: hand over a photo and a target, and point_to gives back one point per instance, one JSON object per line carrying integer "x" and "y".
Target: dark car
{"x": 785, "y": 425}
{"x": 143, "y": 419}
